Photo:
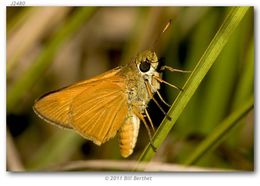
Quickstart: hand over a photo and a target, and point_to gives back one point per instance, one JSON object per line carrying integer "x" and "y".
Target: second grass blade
{"x": 220, "y": 131}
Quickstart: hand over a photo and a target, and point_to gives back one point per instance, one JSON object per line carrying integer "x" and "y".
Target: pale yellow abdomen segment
{"x": 128, "y": 134}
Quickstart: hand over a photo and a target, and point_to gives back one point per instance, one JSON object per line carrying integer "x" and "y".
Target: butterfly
{"x": 111, "y": 103}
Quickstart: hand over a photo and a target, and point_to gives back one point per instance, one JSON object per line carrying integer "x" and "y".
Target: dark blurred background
{"x": 52, "y": 47}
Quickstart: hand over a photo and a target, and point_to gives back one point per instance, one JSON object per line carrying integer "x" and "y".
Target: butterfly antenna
{"x": 160, "y": 34}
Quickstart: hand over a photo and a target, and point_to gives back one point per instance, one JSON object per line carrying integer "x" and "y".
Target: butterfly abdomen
{"x": 128, "y": 134}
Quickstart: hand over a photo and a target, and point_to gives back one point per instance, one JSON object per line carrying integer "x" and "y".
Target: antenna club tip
{"x": 169, "y": 22}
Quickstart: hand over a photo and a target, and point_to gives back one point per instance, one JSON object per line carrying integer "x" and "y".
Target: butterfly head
{"x": 147, "y": 62}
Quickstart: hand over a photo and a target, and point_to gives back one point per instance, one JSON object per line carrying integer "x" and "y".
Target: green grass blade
{"x": 201, "y": 38}
{"x": 246, "y": 81}
{"x": 21, "y": 86}
{"x": 223, "y": 78}
{"x": 231, "y": 22}
{"x": 220, "y": 131}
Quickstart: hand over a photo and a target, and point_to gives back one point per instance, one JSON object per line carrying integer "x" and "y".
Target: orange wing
{"x": 99, "y": 112}
{"x": 55, "y": 107}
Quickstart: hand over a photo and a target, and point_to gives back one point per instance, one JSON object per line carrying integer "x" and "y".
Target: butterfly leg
{"x": 141, "y": 117}
{"x": 148, "y": 116}
{"x": 151, "y": 96}
{"x": 173, "y": 69}
{"x": 161, "y": 98}
{"x": 165, "y": 82}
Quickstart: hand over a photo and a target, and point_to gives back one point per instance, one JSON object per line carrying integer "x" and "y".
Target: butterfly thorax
{"x": 136, "y": 91}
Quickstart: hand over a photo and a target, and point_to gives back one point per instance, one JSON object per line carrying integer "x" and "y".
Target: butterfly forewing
{"x": 55, "y": 107}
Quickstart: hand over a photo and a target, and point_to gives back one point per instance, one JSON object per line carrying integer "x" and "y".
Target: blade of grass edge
{"x": 231, "y": 22}
{"x": 215, "y": 136}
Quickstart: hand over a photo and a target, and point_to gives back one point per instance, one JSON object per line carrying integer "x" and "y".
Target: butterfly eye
{"x": 144, "y": 66}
